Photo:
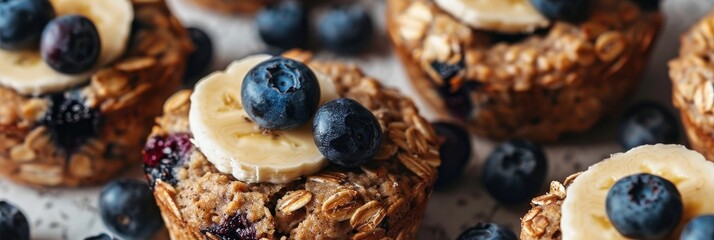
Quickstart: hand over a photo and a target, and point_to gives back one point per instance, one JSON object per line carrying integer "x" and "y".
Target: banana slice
{"x": 583, "y": 211}
{"x": 508, "y": 16}
{"x": 26, "y": 73}
{"x": 235, "y": 144}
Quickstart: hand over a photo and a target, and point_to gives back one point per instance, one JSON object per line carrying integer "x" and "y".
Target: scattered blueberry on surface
{"x": 567, "y": 10}
{"x": 128, "y": 209}
{"x": 13, "y": 223}
{"x": 162, "y": 154}
{"x": 515, "y": 171}
{"x": 455, "y": 151}
{"x": 644, "y": 206}
{"x": 202, "y": 54}
{"x": 235, "y": 227}
{"x": 70, "y": 44}
{"x": 102, "y": 236}
{"x": 22, "y": 21}
{"x": 284, "y": 25}
{"x": 648, "y": 123}
{"x": 346, "y": 30}
{"x": 701, "y": 227}
{"x": 346, "y": 132}
{"x": 70, "y": 121}
{"x": 488, "y": 231}
{"x": 280, "y": 93}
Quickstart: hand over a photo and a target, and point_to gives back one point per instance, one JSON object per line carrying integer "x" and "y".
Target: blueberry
{"x": 200, "y": 58}
{"x": 346, "y": 30}
{"x": 70, "y": 44}
{"x": 455, "y": 151}
{"x": 22, "y": 21}
{"x": 284, "y": 25}
{"x": 488, "y": 231}
{"x": 128, "y": 209}
{"x": 13, "y": 224}
{"x": 648, "y": 123}
{"x": 567, "y": 10}
{"x": 162, "y": 154}
{"x": 346, "y": 132}
{"x": 280, "y": 93}
{"x": 701, "y": 227}
{"x": 70, "y": 122}
{"x": 235, "y": 227}
{"x": 644, "y": 206}
{"x": 102, "y": 236}
{"x": 446, "y": 71}
{"x": 515, "y": 171}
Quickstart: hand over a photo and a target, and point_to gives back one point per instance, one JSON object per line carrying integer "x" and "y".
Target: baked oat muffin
{"x": 692, "y": 85}
{"x": 509, "y": 72}
{"x": 60, "y": 129}
{"x": 384, "y": 197}
{"x": 233, "y": 6}
{"x": 576, "y": 209}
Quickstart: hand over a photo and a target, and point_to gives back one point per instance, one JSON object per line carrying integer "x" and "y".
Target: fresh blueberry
{"x": 284, "y": 25}
{"x": 648, "y": 4}
{"x": 701, "y": 227}
{"x": 567, "y": 10}
{"x": 648, "y": 123}
{"x": 13, "y": 224}
{"x": 346, "y": 30}
{"x": 488, "y": 231}
{"x": 515, "y": 171}
{"x": 455, "y": 151}
{"x": 202, "y": 54}
{"x": 128, "y": 209}
{"x": 644, "y": 206}
{"x": 280, "y": 93}
{"x": 235, "y": 227}
{"x": 70, "y": 44}
{"x": 22, "y": 21}
{"x": 162, "y": 154}
{"x": 70, "y": 121}
{"x": 346, "y": 132}
{"x": 102, "y": 236}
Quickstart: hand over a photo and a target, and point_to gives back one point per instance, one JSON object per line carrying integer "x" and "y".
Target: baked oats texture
{"x": 127, "y": 95}
{"x": 382, "y": 199}
{"x": 537, "y": 86}
{"x": 542, "y": 222}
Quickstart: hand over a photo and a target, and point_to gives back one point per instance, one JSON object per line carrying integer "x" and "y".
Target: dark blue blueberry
{"x": 162, "y": 154}
{"x": 71, "y": 122}
{"x": 648, "y": 4}
{"x": 284, "y": 25}
{"x": 128, "y": 209}
{"x": 648, "y": 123}
{"x": 644, "y": 206}
{"x": 13, "y": 224}
{"x": 202, "y": 54}
{"x": 446, "y": 71}
{"x": 701, "y": 227}
{"x": 22, "y": 21}
{"x": 70, "y": 44}
{"x": 515, "y": 171}
{"x": 102, "y": 236}
{"x": 236, "y": 227}
{"x": 488, "y": 231}
{"x": 346, "y": 132}
{"x": 455, "y": 151}
{"x": 567, "y": 10}
{"x": 346, "y": 30}
{"x": 280, "y": 93}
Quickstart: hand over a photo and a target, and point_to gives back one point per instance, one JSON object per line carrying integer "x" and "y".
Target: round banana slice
{"x": 235, "y": 144}
{"x": 26, "y": 73}
{"x": 583, "y": 211}
{"x": 508, "y": 16}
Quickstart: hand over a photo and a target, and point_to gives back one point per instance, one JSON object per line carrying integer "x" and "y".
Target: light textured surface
{"x": 73, "y": 214}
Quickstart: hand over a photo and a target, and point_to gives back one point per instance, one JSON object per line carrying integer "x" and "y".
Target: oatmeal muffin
{"x": 66, "y": 121}
{"x": 273, "y": 186}
{"x": 583, "y": 207}
{"x": 512, "y": 69}
{"x": 693, "y": 85}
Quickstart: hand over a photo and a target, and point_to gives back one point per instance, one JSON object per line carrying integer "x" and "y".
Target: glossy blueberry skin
{"x": 128, "y": 209}
{"x": 644, "y": 206}
{"x": 566, "y": 10}
{"x": 22, "y": 21}
{"x": 346, "y": 30}
{"x": 13, "y": 223}
{"x": 488, "y": 231}
{"x": 202, "y": 54}
{"x": 346, "y": 133}
{"x": 70, "y": 44}
{"x": 70, "y": 121}
{"x": 515, "y": 171}
{"x": 280, "y": 93}
{"x": 102, "y": 236}
{"x": 284, "y": 25}
{"x": 455, "y": 151}
{"x": 648, "y": 123}
{"x": 701, "y": 227}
